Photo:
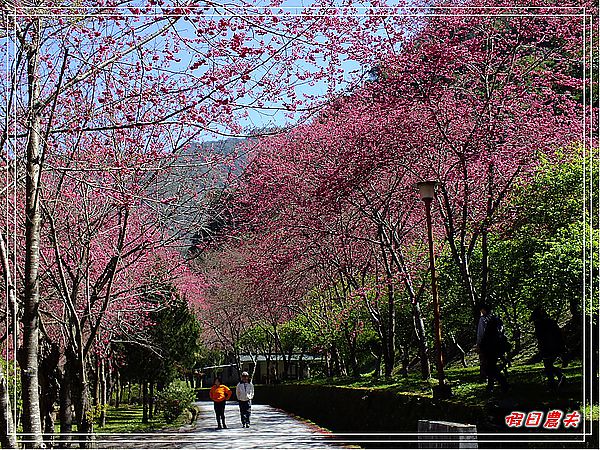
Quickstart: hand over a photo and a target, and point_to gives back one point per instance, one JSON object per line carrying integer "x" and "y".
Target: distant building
{"x": 271, "y": 371}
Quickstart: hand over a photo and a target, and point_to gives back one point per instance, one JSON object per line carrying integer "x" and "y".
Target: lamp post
{"x": 427, "y": 194}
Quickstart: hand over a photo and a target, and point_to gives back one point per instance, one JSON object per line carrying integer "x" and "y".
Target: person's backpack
{"x": 494, "y": 337}
{"x": 504, "y": 345}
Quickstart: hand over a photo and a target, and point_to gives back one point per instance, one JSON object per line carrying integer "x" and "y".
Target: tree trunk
{"x": 375, "y": 348}
{"x": 83, "y": 410}
{"x": 286, "y": 366}
{"x": 405, "y": 360}
{"x": 48, "y": 371}
{"x": 336, "y": 361}
{"x": 49, "y": 426}
{"x": 268, "y": 366}
{"x": 145, "y": 402}
{"x": 399, "y": 260}
{"x": 118, "y": 389}
{"x": 97, "y": 381}
{"x": 467, "y": 281}
{"x": 7, "y": 426}
{"x": 156, "y": 410}
{"x": 327, "y": 364}
{"x": 352, "y": 358}
{"x": 300, "y": 366}
{"x": 485, "y": 254}
{"x": 388, "y": 363}
{"x": 290, "y": 363}
{"x": 389, "y": 353}
{"x": 82, "y": 400}
{"x": 460, "y": 350}
{"x": 28, "y": 360}
{"x": 151, "y": 402}
{"x": 378, "y": 359}
{"x": 110, "y": 385}
{"x": 66, "y": 408}
{"x": 254, "y": 364}
{"x": 421, "y": 340}
{"x": 8, "y": 438}
{"x": 103, "y": 388}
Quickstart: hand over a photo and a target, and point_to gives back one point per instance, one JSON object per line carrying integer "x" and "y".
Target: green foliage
{"x": 13, "y": 379}
{"x": 456, "y": 310}
{"x": 178, "y": 330}
{"x": 294, "y": 336}
{"x": 96, "y": 411}
{"x": 175, "y": 399}
{"x": 207, "y": 357}
{"x": 538, "y": 260}
{"x": 173, "y": 346}
{"x": 591, "y": 412}
{"x": 331, "y": 322}
{"x": 535, "y": 257}
{"x": 257, "y": 340}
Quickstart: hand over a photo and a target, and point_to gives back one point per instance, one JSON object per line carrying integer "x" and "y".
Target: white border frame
{"x": 587, "y": 136}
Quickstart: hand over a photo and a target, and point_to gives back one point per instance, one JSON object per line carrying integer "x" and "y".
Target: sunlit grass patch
{"x": 128, "y": 419}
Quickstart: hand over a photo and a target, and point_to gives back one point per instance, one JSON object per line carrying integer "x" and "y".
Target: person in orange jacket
{"x": 219, "y": 394}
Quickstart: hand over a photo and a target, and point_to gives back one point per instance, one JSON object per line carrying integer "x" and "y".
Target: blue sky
{"x": 270, "y": 117}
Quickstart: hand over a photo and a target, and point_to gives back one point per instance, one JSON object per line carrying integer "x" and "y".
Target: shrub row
{"x": 361, "y": 409}
{"x": 174, "y": 400}
{"x": 357, "y": 410}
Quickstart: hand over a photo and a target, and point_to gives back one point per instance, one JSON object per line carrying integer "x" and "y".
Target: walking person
{"x": 551, "y": 345}
{"x": 245, "y": 393}
{"x": 219, "y": 394}
{"x": 492, "y": 344}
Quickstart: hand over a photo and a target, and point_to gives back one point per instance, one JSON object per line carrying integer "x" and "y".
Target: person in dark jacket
{"x": 551, "y": 345}
{"x": 491, "y": 346}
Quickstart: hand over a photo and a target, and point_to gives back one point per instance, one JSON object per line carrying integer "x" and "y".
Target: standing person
{"x": 491, "y": 345}
{"x": 219, "y": 394}
{"x": 550, "y": 345}
{"x": 245, "y": 393}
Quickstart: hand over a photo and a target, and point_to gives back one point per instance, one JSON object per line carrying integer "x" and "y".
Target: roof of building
{"x": 279, "y": 357}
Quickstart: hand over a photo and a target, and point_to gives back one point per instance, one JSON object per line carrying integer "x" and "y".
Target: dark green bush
{"x": 175, "y": 399}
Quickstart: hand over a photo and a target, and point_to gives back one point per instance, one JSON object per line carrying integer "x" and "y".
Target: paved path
{"x": 270, "y": 428}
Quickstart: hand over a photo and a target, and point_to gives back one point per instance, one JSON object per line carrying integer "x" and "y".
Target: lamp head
{"x": 427, "y": 189}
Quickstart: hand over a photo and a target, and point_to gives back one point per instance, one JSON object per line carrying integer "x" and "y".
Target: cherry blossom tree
{"x": 471, "y": 101}
{"x": 104, "y": 98}
{"x": 124, "y": 67}
{"x": 339, "y": 218}
{"x": 483, "y": 96}
{"x": 98, "y": 246}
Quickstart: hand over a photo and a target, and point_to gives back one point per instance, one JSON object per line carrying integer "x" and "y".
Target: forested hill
{"x": 206, "y": 168}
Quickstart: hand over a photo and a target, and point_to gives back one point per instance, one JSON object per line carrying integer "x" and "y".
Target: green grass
{"x": 410, "y": 385}
{"x": 527, "y": 383}
{"x": 128, "y": 419}
{"x": 592, "y": 413}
